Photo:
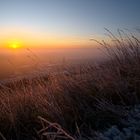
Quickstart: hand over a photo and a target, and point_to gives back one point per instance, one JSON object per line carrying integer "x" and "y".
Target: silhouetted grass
{"x": 76, "y": 103}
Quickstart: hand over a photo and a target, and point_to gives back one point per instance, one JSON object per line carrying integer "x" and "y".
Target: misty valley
{"x": 29, "y": 62}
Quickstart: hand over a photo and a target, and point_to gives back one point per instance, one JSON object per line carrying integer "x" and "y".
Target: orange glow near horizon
{"x": 17, "y": 37}
{"x": 42, "y": 43}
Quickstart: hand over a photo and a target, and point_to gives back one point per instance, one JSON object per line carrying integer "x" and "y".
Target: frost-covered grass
{"x": 86, "y": 102}
{"x": 128, "y": 128}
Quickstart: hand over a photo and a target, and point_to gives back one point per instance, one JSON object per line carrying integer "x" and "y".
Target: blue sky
{"x": 70, "y": 17}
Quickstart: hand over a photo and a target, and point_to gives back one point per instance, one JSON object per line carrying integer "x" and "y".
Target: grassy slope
{"x": 82, "y": 101}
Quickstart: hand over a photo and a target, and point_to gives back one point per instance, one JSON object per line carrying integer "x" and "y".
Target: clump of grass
{"x": 79, "y": 102}
{"x": 121, "y": 73}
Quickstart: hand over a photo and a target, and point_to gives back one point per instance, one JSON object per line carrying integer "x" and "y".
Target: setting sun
{"x": 14, "y": 45}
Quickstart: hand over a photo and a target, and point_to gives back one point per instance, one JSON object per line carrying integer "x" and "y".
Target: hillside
{"x": 96, "y": 101}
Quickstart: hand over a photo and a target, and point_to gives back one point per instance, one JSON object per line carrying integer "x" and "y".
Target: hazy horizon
{"x": 20, "y": 62}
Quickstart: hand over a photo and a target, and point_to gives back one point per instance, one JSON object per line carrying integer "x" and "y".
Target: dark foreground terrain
{"x": 86, "y": 102}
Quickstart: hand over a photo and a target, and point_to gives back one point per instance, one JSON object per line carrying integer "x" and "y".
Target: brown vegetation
{"x": 92, "y": 99}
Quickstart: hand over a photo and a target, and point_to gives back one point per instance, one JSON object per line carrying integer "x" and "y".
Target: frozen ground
{"x": 128, "y": 129}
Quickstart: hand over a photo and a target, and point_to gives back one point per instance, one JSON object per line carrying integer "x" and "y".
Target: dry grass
{"x": 78, "y": 102}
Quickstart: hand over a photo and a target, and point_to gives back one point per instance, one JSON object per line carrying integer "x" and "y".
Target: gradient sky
{"x": 64, "y": 22}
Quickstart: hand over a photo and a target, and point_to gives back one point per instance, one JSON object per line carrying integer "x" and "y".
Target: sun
{"x": 14, "y": 44}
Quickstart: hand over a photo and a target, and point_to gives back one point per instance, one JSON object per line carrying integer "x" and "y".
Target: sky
{"x": 64, "y": 22}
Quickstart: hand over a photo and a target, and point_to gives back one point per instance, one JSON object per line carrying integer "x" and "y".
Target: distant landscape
{"x": 36, "y": 60}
